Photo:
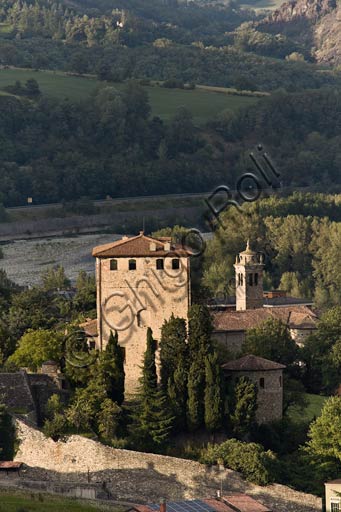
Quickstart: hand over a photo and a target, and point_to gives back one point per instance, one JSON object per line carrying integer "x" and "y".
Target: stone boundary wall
{"x": 139, "y": 477}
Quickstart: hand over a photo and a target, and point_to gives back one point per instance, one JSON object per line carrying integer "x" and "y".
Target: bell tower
{"x": 249, "y": 279}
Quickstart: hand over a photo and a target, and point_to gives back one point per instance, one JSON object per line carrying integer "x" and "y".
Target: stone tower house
{"x": 249, "y": 280}
{"x": 268, "y": 377}
{"x": 141, "y": 282}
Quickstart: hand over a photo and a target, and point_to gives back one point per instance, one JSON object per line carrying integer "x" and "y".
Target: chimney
{"x": 163, "y": 506}
{"x": 125, "y": 237}
{"x": 167, "y": 246}
{"x": 152, "y": 246}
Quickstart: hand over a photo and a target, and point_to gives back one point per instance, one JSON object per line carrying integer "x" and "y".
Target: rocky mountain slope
{"x": 315, "y": 23}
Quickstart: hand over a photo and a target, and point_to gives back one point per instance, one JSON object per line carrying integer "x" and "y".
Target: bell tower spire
{"x": 249, "y": 279}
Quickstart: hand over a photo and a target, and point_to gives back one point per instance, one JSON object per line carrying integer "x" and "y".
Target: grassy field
{"x": 20, "y": 502}
{"x": 263, "y": 4}
{"x": 313, "y": 409}
{"x": 203, "y": 103}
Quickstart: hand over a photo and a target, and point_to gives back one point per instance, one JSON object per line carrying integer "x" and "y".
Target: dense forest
{"x": 111, "y": 145}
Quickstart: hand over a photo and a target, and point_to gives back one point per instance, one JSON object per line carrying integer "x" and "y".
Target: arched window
{"x": 241, "y": 279}
{"x": 159, "y": 264}
{"x": 262, "y": 383}
{"x": 251, "y": 279}
{"x": 175, "y": 263}
{"x": 113, "y": 264}
{"x": 132, "y": 264}
{"x": 256, "y": 279}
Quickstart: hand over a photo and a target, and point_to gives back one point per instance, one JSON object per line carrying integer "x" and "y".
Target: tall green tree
{"x": 173, "y": 346}
{"x": 325, "y": 432}
{"x": 196, "y": 393}
{"x": 110, "y": 369}
{"x": 177, "y": 393}
{"x": 200, "y": 330}
{"x": 271, "y": 340}
{"x": 152, "y": 420}
{"x": 213, "y": 393}
{"x": 244, "y": 406}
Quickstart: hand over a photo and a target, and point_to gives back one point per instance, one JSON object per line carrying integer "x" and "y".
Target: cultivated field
{"x": 204, "y": 103}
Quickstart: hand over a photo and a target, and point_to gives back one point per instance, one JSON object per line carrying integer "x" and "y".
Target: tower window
{"x": 132, "y": 264}
{"x": 280, "y": 382}
{"x": 262, "y": 383}
{"x": 113, "y": 264}
{"x": 251, "y": 279}
{"x": 256, "y": 279}
{"x": 241, "y": 279}
{"x": 159, "y": 264}
{"x": 175, "y": 264}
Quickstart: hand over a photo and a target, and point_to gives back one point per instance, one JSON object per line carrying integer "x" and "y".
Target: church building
{"x": 253, "y": 306}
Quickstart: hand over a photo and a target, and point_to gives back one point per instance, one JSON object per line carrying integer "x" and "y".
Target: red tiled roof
{"x": 297, "y": 317}
{"x": 10, "y": 464}
{"x": 336, "y": 481}
{"x": 252, "y": 363}
{"x": 90, "y": 327}
{"x": 140, "y": 246}
{"x": 219, "y": 506}
{"x": 244, "y": 503}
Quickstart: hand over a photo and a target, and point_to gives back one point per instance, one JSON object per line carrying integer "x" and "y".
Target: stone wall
{"x": 138, "y": 477}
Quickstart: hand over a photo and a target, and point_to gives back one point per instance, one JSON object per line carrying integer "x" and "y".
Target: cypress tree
{"x": 149, "y": 375}
{"x": 177, "y": 393}
{"x": 244, "y": 406}
{"x": 200, "y": 346}
{"x": 199, "y": 330}
{"x": 172, "y": 347}
{"x": 111, "y": 369}
{"x": 152, "y": 420}
{"x": 213, "y": 393}
{"x": 196, "y": 389}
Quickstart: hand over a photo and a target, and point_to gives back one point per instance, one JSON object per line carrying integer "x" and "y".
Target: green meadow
{"x": 204, "y": 103}
{"x": 311, "y": 411}
{"x": 22, "y": 502}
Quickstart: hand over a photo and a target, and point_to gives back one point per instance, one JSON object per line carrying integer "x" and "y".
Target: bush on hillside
{"x": 250, "y": 459}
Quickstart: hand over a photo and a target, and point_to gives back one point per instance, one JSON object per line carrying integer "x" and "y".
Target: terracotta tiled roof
{"x": 244, "y": 503}
{"x": 297, "y": 317}
{"x": 140, "y": 245}
{"x": 252, "y": 363}
{"x": 219, "y": 506}
{"x": 10, "y": 464}
{"x": 336, "y": 481}
{"x": 90, "y": 327}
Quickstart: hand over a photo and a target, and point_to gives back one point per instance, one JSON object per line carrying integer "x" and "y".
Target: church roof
{"x": 297, "y": 317}
{"x": 252, "y": 363}
{"x": 141, "y": 245}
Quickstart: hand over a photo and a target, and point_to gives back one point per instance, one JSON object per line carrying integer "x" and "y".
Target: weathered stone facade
{"x": 141, "y": 282}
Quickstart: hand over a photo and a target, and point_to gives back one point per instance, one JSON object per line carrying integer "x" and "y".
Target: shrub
{"x": 250, "y": 459}
{"x": 173, "y": 83}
